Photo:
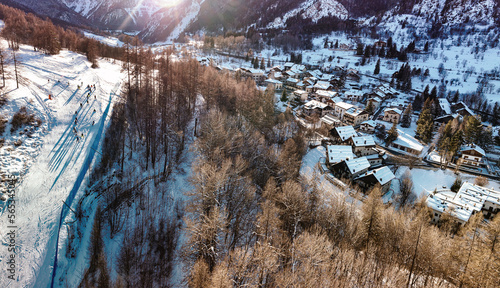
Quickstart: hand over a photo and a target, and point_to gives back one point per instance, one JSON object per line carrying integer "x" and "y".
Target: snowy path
{"x": 60, "y": 168}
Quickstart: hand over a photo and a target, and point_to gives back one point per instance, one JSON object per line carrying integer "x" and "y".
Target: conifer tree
{"x": 377, "y": 68}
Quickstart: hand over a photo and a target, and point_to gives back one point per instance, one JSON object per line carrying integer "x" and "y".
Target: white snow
{"x": 62, "y": 161}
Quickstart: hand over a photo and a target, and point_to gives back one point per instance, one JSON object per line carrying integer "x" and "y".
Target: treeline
{"x": 26, "y": 28}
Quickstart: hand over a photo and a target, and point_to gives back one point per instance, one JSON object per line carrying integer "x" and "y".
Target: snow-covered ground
{"x": 58, "y": 171}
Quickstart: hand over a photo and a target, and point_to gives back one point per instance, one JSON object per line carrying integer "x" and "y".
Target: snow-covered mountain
{"x": 159, "y": 20}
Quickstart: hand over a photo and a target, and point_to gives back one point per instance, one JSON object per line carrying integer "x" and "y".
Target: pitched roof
{"x": 474, "y": 148}
{"x": 346, "y": 132}
{"x": 382, "y": 174}
{"x": 362, "y": 141}
{"x": 395, "y": 110}
{"x": 338, "y": 153}
{"x": 445, "y": 105}
{"x": 357, "y": 164}
{"x": 370, "y": 123}
{"x": 344, "y": 105}
{"x": 313, "y": 104}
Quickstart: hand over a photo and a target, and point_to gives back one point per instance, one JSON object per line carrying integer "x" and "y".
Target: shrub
{"x": 481, "y": 181}
{"x": 21, "y": 118}
{"x": 3, "y": 123}
{"x": 456, "y": 185}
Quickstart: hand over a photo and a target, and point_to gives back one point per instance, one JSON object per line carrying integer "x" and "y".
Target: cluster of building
{"x": 357, "y": 159}
{"x": 469, "y": 200}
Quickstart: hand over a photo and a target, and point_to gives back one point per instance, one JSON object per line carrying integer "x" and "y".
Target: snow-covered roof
{"x": 354, "y": 111}
{"x": 376, "y": 99}
{"x": 313, "y": 104}
{"x": 362, "y": 141}
{"x": 408, "y": 141}
{"x": 462, "y": 204}
{"x": 299, "y": 67}
{"x": 466, "y": 108}
{"x": 346, "y": 132}
{"x": 357, "y": 164}
{"x": 395, "y": 110}
{"x": 344, "y": 105}
{"x": 338, "y": 153}
{"x": 387, "y": 89}
{"x": 354, "y": 92}
{"x": 445, "y": 105}
{"x": 273, "y": 81}
{"x": 473, "y": 147}
{"x": 289, "y": 64}
{"x": 323, "y": 93}
{"x": 293, "y": 80}
{"x": 322, "y": 85}
{"x": 370, "y": 123}
{"x": 329, "y": 119}
{"x": 299, "y": 92}
{"x": 278, "y": 75}
{"x": 382, "y": 174}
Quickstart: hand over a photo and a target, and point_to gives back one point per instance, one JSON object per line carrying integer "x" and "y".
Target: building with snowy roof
{"x": 444, "y": 106}
{"x": 338, "y": 153}
{"x": 343, "y": 133}
{"x": 355, "y": 116}
{"x": 368, "y": 126}
{"x": 382, "y": 176}
{"x": 341, "y": 108}
{"x": 469, "y": 200}
{"x": 322, "y": 85}
{"x": 362, "y": 145}
{"x": 407, "y": 143}
{"x": 472, "y": 155}
{"x": 351, "y": 168}
{"x": 392, "y": 115}
{"x": 276, "y": 84}
{"x": 353, "y": 95}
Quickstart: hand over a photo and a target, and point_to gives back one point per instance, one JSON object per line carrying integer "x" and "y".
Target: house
{"x": 301, "y": 94}
{"x": 292, "y": 82}
{"x": 350, "y": 168}
{"x": 382, "y": 176}
{"x": 338, "y": 153}
{"x": 315, "y": 107}
{"x": 407, "y": 144}
{"x": 375, "y": 102}
{"x": 323, "y": 95}
{"x": 471, "y": 155}
{"x": 392, "y": 115}
{"x": 342, "y": 134}
{"x": 379, "y": 44}
{"x": 256, "y": 74}
{"x": 353, "y": 95}
{"x": 385, "y": 90}
{"x": 288, "y": 65}
{"x": 444, "y": 107}
{"x": 376, "y": 159}
{"x": 462, "y": 109}
{"x": 363, "y": 145}
{"x": 341, "y": 108}
{"x": 322, "y": 85}
{"x": 352, "y": 75}
{"x": 469, "y": 200}
{"x": 355, "y": 116}
{"x": 275, "y": 75}
{"x": 330, "y": 121}
{"x": 277, "y": 85}
{"x": 368, "y": 126}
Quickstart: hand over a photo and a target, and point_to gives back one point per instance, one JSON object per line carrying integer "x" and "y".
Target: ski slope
{"x": 59, "y": 168}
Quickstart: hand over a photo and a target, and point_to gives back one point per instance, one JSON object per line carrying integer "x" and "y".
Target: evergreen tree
{"x": 370, "y": 107}
{"x": 426, "y": 47}
{"x": 472, "y": 130}
{"x": 456, "y": 97}
{"x": 417, "y": 102}
{"x": 392, "y": 134}
{"x": 406, "y": 119}
{"x": 284, "y": 96}
{"x": 337, "y": 44}
{"x": 425, "y": 126}
{"x": 256, "y": 63}
{"x": 433, "y": 94}
{"x": 262, "y": 64}
{"x": 456, "y": 184}
{"x": 359, "y": 49}
{"x": 377, "y": 68}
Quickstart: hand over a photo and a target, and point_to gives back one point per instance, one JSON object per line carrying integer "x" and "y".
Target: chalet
{"x": 288, "y": 65}
{"x": 341, "y": 108}
{"x": 392, "y": 115}
{"x": 256, "y": 74}
{"x": 322, "y": 85}
{"x": 275, "y": 75}
{"x": 444, "y": 107}
{"x": 407, "y": 144}
{"x": 386, "y": 90}
{"x": 355, "y": 116}
{"x": 352, "y": 75}
{"x": 342, "y": 134}
{"x": 382, "y": 176}
{"x": 469, "y": 200}
{"x": 376, "y": 159}
{"x": 363, "y": 145}
{"x": 338, "y": 153}
{"x": 368, "y": 126}
{"x": 376, "y": 101}
{"x": 323, "y": 95}
{"x": 350, "y": 168}
{"x": 301, "y": 94}
{"x": 353, "y": 95}
{"x": 277, "y": 85}
{"x": 292, "y": 82}
{"x": 462, "y": 109}
{"x": 471, "y": 155}
{"x": 315, "y": 107}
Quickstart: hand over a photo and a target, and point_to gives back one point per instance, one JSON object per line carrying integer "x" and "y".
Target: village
{"x": 367, "y": 129}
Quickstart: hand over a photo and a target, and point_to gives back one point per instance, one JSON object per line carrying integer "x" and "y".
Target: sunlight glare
{"x": 168, "y": 3}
